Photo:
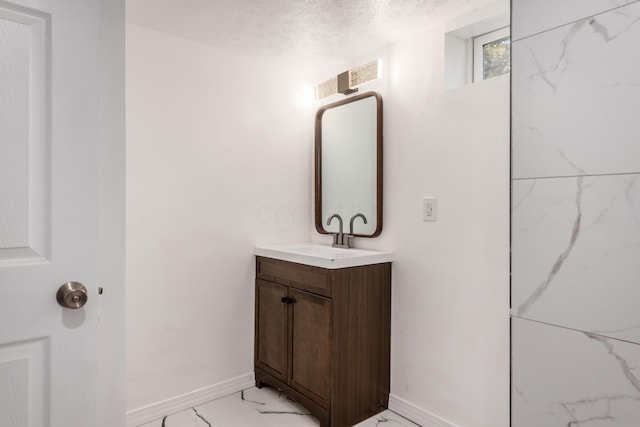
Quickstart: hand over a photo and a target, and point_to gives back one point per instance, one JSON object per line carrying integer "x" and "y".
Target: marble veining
{"x": 563, "y": 377}
{"x": 263, "y": 407}
{"x": 581, "y": 413}
{"x": 576, "y": 246}
{"x": 557, "y": 265}
{"x": 624, "y": 365}
{"x": 534, "y": 17}
{"x": 266, "y": 407}
{"x": 201, "y": 417}
{"x": 380, "y": 419}
{"x": 565, "y": 82}
{"x": 553, "y": 72}
{"x": 575, "y": 214}
{"x": 602, "y": 29}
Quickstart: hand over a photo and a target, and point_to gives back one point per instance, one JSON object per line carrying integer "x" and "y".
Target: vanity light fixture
{"x": 349, "y": 81}
{"x": 344, "y": 83}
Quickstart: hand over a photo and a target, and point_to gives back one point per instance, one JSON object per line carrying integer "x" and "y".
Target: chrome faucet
{"x": 339, "y": 237}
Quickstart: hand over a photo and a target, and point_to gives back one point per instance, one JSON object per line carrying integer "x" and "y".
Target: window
{"x": 491, "y": 54}
{"x": 490, "y": 38}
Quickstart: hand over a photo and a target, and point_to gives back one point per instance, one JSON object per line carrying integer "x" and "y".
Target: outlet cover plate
{"x": 429, "y": 208}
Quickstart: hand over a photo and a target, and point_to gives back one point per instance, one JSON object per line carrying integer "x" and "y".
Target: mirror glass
{"x": 348, "y": 165}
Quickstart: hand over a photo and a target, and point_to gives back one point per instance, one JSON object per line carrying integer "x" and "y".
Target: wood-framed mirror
{"x": 348, "y": 165}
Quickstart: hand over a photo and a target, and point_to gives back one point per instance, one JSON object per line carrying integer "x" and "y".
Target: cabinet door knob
{"x": 287, "y": 300}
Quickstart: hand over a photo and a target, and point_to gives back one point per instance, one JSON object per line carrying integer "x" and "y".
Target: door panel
{"x": 49, "y": 133}
{"x": 24, "y": 135}
{"x": 311, "y": 355}
{"x": 272, "y": 341}
{"x": 24, "y": 378}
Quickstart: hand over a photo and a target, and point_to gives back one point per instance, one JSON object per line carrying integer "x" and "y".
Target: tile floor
{"x": 265, "y": 407}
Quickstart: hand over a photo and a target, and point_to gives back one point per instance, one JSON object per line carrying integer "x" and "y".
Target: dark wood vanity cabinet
{"x": 322, "y": 336}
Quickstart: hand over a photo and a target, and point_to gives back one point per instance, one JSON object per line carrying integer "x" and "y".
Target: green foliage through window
{"x": 496, "y": 58}
{"x": 492, "y": 54}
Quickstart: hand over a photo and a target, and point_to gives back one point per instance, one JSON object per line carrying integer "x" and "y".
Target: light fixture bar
{"x": 349, "y": 81}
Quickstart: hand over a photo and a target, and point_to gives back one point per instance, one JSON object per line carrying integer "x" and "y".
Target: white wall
{"x": 111, "y": 351}
{"x": 218, "y": 159}
{"x": 450, "y": 301}
{"x": 450, "y": 290}
{"x": 450, "y": 298}
{"x": 194, "y": 215}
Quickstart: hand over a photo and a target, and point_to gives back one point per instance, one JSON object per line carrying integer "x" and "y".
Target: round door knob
{"x": 72, "y": 295}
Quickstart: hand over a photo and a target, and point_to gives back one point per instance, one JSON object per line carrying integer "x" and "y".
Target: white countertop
{"x": 323, "y": 255}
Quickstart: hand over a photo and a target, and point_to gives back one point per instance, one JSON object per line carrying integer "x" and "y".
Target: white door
{"x": 48, "y": 210}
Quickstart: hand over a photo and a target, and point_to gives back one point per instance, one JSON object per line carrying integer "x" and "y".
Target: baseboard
{"x": 416, "y": 414}
{"x": 137, "y": 417}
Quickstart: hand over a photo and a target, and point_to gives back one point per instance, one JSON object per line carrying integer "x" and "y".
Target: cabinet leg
{"x": 259, "y": 384}
{"x": 325, "y": 420}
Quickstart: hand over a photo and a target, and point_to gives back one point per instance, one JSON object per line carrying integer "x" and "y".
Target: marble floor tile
{"x": 276, "y": 409}
{"x": 386, "y": 419}
{"x": 265, "y": 407}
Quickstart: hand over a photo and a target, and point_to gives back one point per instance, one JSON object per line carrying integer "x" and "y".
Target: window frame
{"x": 478, "y": 49}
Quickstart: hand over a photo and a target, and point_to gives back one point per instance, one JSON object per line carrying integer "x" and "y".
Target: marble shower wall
{"x": 575, "y": 291}
{"x": 563, "y": 377}
{"x": 576, "y": 253}
{"x": 575, "y": 97}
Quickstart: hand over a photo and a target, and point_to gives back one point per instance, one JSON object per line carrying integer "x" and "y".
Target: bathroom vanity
{"x": 322, "y": 329}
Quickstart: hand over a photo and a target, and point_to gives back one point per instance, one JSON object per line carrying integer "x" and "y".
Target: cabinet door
{"x": 311, "y": 346}
{"x": 272, "y": 344}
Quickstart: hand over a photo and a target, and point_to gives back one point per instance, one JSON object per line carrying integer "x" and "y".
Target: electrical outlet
{"x": 429, "y": 209}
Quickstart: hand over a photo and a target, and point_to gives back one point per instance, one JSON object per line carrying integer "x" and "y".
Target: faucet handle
{"x": 336, "y": 239}
{"x": 341, "y": 240}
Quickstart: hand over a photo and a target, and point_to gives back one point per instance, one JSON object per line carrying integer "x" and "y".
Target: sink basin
{"x": 323, "y": 256}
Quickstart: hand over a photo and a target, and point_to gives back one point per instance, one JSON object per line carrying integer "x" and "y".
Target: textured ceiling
{"x": 306, "y": 30}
